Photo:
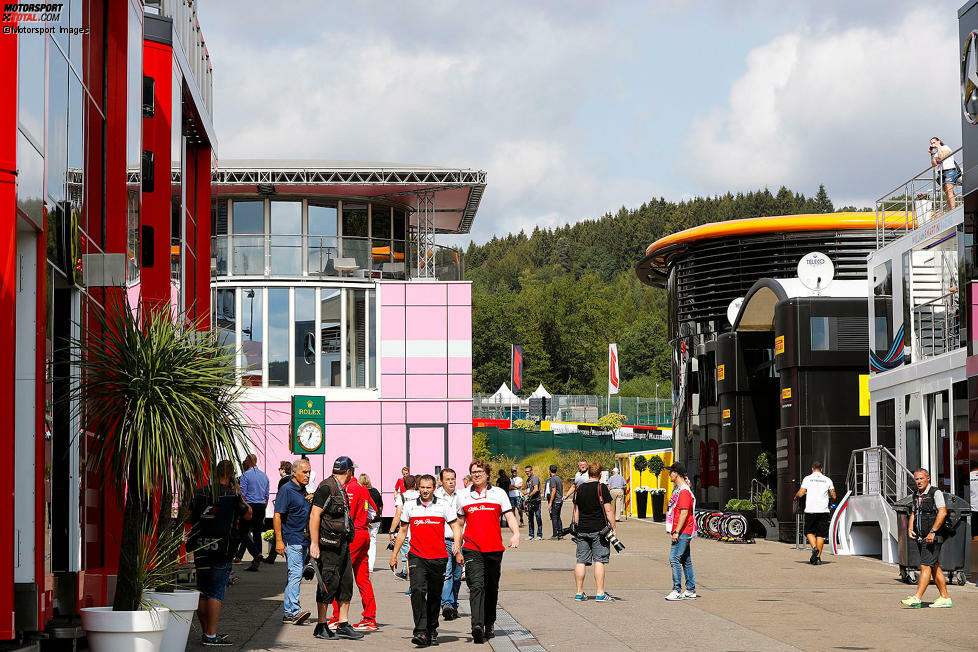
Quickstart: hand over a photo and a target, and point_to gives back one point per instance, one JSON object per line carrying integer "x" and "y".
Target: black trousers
{"x": 555, "y": 521}
{"x": 427, "y": 580}
{"x": 482, "y": 577}
{"x": 251, "y": 531}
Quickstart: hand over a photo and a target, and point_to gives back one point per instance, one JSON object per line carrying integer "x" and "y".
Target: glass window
{"x": 355, "y": 220}
{"x": 59, "y": 24}
{"x": 134, "y": 92}
{"x": 252, "y": 335}
{"x": 886, "y": 424}
{"x": 380, "y": 222}
{"x": 962, "y": 465}
{"x": 820, "y": 333}
{"x": 355, "y": 338}
{"x": 248, "y": 254}
{"x": 286, "y": 250}
{"x": 78, "y": 20}
{"x": 330, "y": 316}
{"x": 249, "y": 216}
{"x": 77, "y": 104}
{"x": 30, "y": 180}
{"x": 224, "y": 319}
{"x": 372, "y": 337}
{"x": 304, "y": 346}
{"x": 278, "y": 337}
{"x": 219, "y": 224}
{"x": 30, "y": 84}
{"x": 911, "y": 411}
{"x": 321, "y": 250}
{"x": 56, "y": 143}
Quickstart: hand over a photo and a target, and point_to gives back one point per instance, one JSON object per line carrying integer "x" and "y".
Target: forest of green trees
{"x": 565, "y": 293}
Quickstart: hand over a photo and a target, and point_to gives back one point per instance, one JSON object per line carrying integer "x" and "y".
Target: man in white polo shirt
{"x": 426, "y": 516}
{"x": 579, "y": 478}
{"x": 816, "y": 488}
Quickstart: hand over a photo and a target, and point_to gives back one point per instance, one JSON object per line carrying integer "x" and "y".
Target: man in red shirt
{"x": 362, "y": 510}
{"x": 399, "y": 487}
{"x": 681, "y": 525}
{"x": 426, "y": 516}
{"x": 480, "y": 507}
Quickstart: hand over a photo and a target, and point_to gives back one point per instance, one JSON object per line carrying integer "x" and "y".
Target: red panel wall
{"x": 155, "y": 280}
{"x": 202, "y": 210}
{"x": 8, "y": 300}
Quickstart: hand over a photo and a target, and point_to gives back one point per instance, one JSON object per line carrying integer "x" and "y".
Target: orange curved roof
{"x": 777, "y": 224}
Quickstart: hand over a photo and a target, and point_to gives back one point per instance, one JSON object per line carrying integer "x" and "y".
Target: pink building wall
{"x": 425, "y": 372}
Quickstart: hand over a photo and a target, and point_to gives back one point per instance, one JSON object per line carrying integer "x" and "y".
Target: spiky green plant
{"x": 160, "y": 398}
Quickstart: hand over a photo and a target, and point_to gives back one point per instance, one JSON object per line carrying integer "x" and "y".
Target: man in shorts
{"x": 592, "y": 512}
{"x": 816, "y": 488}
{"x": 214, "y": 515}
{"x": 926, "y": 521}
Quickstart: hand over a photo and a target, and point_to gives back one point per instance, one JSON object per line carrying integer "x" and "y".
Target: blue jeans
{"x": 533, "y": 511}
{"x": 295, "y": 556}
{"x": 682, "y": 563}
{"x": 453, "y": 578}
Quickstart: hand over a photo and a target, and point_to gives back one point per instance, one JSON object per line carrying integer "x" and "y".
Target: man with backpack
{"x": 331, "y": 531}
{"x": 926, "y": 528}
{"x": 214, "y": 516}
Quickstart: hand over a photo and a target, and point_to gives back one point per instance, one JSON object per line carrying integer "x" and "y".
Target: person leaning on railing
{"x": 940, "y": 155}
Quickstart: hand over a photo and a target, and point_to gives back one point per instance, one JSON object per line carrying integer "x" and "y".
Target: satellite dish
{"x": 733, "y": 309}
{"x": 815, "y": 271}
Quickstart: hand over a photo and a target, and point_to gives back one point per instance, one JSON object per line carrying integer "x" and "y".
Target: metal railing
{"x": 875, "y": 471}
{"x": 582, "y": 408}
{"x": 937, "y": 325}
{"x": 321, "y": 256}
{"x": 912, "y": 204}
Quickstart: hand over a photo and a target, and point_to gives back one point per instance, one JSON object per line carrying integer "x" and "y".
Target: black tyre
{"x": 737, "y": 526}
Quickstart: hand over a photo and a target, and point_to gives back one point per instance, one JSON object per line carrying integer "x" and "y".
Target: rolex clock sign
{"x": 308, "y": 425}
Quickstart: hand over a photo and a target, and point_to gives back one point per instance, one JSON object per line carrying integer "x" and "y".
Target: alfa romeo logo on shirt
{"x": 969, "y": 78}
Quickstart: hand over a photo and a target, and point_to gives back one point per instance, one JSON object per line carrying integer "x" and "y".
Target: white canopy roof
{"x": 503, "y": 396}
{"x": 541, "y": 392}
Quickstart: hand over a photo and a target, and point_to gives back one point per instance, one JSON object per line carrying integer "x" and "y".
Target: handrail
{"x": 876, "y": 471}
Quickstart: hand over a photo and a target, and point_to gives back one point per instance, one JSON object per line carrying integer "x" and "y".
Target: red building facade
{"x": 106, "y": 151}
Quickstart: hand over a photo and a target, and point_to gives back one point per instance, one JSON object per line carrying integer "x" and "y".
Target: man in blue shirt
{"x": 254, "y": 490}
{"x": 616, "y": 484}
{"x": 291, "y": 524}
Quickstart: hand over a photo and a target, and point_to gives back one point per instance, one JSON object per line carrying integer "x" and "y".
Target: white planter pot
{"x": 182, "y": 605}
{"x": 124, "y": 631}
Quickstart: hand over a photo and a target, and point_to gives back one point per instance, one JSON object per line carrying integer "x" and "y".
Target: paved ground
{"x": 753, "y": 597}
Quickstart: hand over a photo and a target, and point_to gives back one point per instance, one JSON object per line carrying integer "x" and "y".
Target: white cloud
{"x": 852, "y": 108}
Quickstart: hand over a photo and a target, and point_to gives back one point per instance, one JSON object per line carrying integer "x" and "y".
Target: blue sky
{"x": 576, "y": 108}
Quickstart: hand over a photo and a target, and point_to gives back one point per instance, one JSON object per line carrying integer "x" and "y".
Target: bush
{"x": 766, "y": 503}
{"x": 641, "y": 463}
{"x": 480, "y": 446}
{"x": 525, "y": 424}
{"x": 566, "y": 461}
{"x": 656, "y": 465}
{"x": 739, "y": 505}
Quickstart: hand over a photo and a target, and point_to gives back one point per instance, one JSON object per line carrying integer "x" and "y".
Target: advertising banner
{"x": 517, "y": 368}
{"x": 614, "y": 377}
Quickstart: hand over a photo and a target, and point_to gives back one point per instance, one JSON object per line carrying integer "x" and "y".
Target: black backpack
{"x": 214, "y": 537}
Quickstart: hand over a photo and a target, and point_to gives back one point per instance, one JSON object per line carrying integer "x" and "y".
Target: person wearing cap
{"x": 331, "y": 531}
{"x": 681, "y": 526}
{"x": 362, "y": 511}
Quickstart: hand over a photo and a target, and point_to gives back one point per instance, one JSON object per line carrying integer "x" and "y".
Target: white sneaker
{"x": 530, "y": 539}
{"x": 675, "y": 595}
{"x": 690, "y": 595}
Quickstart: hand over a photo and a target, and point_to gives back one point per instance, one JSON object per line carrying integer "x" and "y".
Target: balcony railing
{"x": 315, "y": 256}
{"x": 937, "y": 325}
{"x": 912, "y": 204}
{"x": 875, "y": 471}
{"x": 187, "y": 28}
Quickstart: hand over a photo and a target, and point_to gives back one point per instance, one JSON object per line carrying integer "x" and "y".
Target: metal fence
{"x": 580, "y": 408}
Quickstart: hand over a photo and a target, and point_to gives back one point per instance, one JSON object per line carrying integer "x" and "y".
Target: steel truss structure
{"x": 430, "y": 180}
{"x": 426, "y": 234}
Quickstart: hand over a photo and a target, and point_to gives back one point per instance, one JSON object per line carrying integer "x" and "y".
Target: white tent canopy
{"x": 541, "y": 392}
{"x": 503, "y": 396}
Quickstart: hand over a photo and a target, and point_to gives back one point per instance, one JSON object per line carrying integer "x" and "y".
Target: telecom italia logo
{"x": 35, "y": 12}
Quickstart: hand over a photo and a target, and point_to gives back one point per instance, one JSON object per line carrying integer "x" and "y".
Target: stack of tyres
{"x": 729, "y": 527}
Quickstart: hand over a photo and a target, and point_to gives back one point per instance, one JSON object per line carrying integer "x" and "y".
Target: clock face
{"x": 309, "y": 435}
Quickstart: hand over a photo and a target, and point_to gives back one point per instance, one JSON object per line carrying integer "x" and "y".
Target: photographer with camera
{"x": 331, "y": 531}
{"x": 940, "y": 155}
{"x": 926, "y": 528}
{"x": 594, "y": 521}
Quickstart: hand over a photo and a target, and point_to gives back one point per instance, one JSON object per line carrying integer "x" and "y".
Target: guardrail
{"x": 937, "y": 325}
{"x": 875, "y": 471}
{"x": 316, "y": 256}
{"x": 912, "y": 204}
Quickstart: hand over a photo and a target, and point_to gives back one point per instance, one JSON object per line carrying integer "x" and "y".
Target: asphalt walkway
{"x": 763, "y": 596}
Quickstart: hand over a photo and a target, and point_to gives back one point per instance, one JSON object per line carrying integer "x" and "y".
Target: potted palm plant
{"x": 656, "y": 465}
{"x": 159, "y": 397}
